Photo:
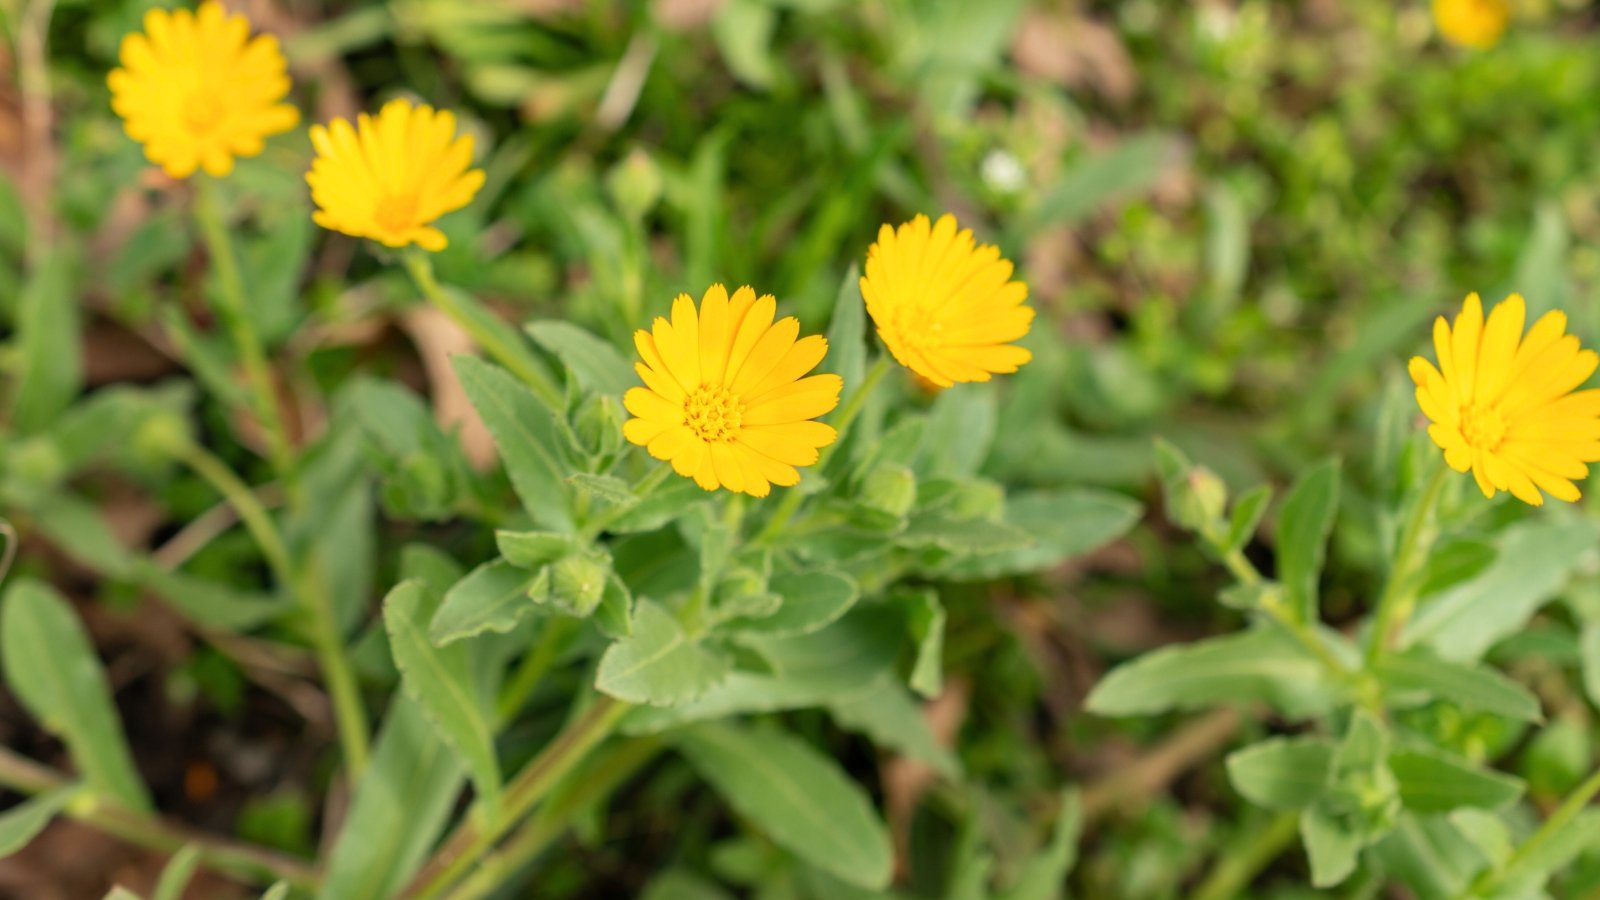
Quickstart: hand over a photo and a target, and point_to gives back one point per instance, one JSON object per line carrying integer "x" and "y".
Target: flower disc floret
{"x": 726, "y": 398}
{"x": 1505, "y": 405}
{"x": 945, "y": 306}
{"x": 198, "y": 91}
{"x": 389, "y": 178}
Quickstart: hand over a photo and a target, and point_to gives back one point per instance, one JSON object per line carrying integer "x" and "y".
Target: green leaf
{"x": 1061, "y": 524}
{"x": 278, "y": 891}
{"x": 595, "y": 363}
{"x": 21, "y": 823}
{"x": 1131, "y": 166}
{"x": 1044, "y": 876}
{"x": 208, "y": 602}
{"x": 1332, "y": 845}
{"x": 1247, "y": 513}
{"x": 493, "y": 597}
{"x": 658, "y": 663}
{"x": 532, "y": 549}
{"x": 743, "y": 31}
{"x": 1537, "y": 557}
{"x": 1434, "y": 782}
{"x": 400, "y": 806}
{"x": 1261, "y": 664}
{"x": 49, "y": 356}
{"x": 926, "y": 618}
{"x": 842, "y": 661}
{"x": 175, "y": 876}
{"x": 1589, "y": 650}
{"x": 1453, "y": 562}
{"x": 1471, "y": 687}
{"x": 1303, "y": 526}
{"x": 678, "y": 497}
{"x": 1487, "y": 832}
{"x": 526, "y": 433}
{"x": 1282, "y": 773}
{"x": 610, "y": 488}
{"x": 847, "y": 331}
{"x": 963, "y": 536}
{"x": 441, "y": 681}
{"x": 811, "y": 601}
{"x": 890, "y": 716}
{"x": 677, "y": 884}
{"x": 961, "y": 428}
{"x": 52, "y": 668}
{"x": 797, "y": 796}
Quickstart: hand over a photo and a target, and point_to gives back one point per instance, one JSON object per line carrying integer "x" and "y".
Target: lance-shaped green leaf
{"x": 925, "y": 617}
{"x": 493, "y": 597}
{"x": 21, "y": 823}
{"x": 847, "y": 331}
{"x": 1282, "y": 773}
{"x": 1042, "y": 878}
{"x": 441, "y": 681}
{"x": 1303, "y": 526}
{"x": 890, "y": 716}
{"x": 595, "y": 363}
{"x": 175, "y": 876}
{"x": 526, "y": 432}
{"x": 52, "y": 668}
{"x": 811, "y": 601}
{"x": 1262, "y": 664}
{"x": 1060, "y": 524}
{"x": 1332, "y": 844}
{"x": 658, "y": 663}
{"x": 1471, "y": 687}
{"x": 1434, "y": 782}
{"x": 797, "y": 796}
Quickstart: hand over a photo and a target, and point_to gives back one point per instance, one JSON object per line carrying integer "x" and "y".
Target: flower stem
{"x": 481, "y": 326}
{"x": 535, "y": 663}
{"x": 1399, "y": 596}
{"x": 474, "y": 838}
{"x": 1559, "y": 820}
{"x": 232, "y": 306}
{"x": 847, "y": 415}
{"x": 239, "y": 860}
{"x": 1246, "y": 573}
{"x": 307, "y": 586}
{"x": 1240, "y": 863}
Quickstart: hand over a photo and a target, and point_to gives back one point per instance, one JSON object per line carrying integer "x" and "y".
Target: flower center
{"x": 917, "y": 328}
{"x": 396, "y": 213}
{"x": 203, "y": 110}
{"x": 1482, "y": 426}
{"x": 712, "y": 413}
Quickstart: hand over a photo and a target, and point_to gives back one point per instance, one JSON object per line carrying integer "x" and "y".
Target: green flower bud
{"x": 890, "y": 488}
{"x": 598, "y": 425}
{"x": 576, "y": 585}
{"x": 635, "y": 184}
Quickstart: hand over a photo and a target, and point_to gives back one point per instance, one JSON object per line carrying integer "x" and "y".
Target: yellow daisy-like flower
{"x": 1472, "y": 23}
{"x": 389, "y": 178}
{"x": 1502, "y": 404}
{"x": 198, "y": 91}
{"x": 946, "y": 308}
{"x": 724, "y": 398}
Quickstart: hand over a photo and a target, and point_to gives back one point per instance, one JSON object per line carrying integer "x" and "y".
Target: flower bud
{"x": 576, "y": 585}
{"x": 635, "y": 184}
{"x": 889, "y": 488}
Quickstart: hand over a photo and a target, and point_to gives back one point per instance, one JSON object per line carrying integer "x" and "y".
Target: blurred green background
{"x": 1237, "y": 219}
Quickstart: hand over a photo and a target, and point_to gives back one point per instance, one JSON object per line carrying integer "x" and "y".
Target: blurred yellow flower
{"x": 389, "y": 178}
{"x": 198, "y": 91}
{"x": 1472, "y": 23}
{"x": 1503, "y": 405}
{"x": 724, "y": 397}
{"x": 945, "y": 308}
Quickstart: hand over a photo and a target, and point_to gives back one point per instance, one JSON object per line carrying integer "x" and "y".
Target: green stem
{"x": 535, "y": 663}
{"x": 1399, "y": 596}
{"x": 479, "y": 325}
{"x": 578, "y": 791}
{"x": 1559, "y": 820}
{"x": 1239, "y": 864}
{"x": 239, "y": 860}
{"x": 474, "y": 837}
{"x": 1246, "y": 573}
{"x": 841, "y": 424}
{"x": 232, "y": 305}
{"x": 347, "y": 708}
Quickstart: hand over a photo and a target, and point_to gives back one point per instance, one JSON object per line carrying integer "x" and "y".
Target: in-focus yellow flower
{"x": 724, "y": 398}
{"x": 946, "y": 309}
{"x": 198, "y": 91}
{"x": 1472, "y": 23}
{"x": 389, "y": 178}
{"x": 1503, "y": 405}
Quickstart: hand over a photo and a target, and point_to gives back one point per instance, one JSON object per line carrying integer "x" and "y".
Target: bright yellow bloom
{"x": 198, "y": 91}
{"x": 1472, "y": 23}
{"x": 389, "y": 178}
{"x": 945, "y": 308}
{"x": 724, "y": 399}
{"x": 1503, "y": 405}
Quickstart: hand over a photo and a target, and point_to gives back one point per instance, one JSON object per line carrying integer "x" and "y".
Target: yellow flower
{"x": 198, "y": 91}
{"x": 724, "y": 399}
{"x": 945, "y": 308}
{"x": 1502, "y": 404}
{"x": 389, "y": 178}
{"x": 1472, "y": 23}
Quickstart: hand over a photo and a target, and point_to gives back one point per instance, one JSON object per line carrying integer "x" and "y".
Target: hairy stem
{"x": 1485, "y": 884}
{"x": 1399, "y": 596}
{"x": 1239, "y": 863}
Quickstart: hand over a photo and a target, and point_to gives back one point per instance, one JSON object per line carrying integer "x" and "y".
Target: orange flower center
{"x": 202, "y": 111}
{"x": 1483, "y": 426}
{"x": 396, "y": 213}
{"x": 712, "y": 413}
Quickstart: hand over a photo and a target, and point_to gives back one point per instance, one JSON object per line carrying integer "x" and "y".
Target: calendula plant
{"x": 478, "y": 448}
